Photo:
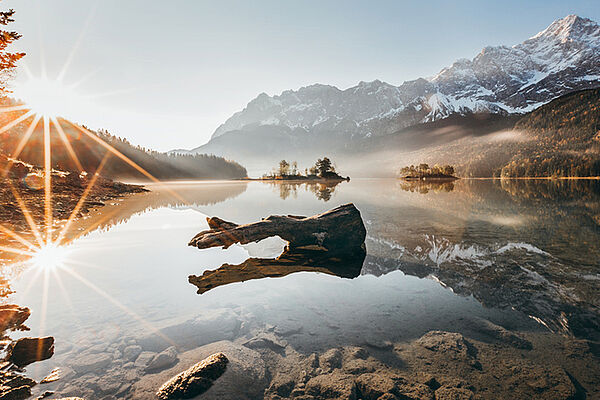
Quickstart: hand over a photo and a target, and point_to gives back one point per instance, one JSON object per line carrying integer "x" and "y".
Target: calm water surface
{"x": 524, "y": 254}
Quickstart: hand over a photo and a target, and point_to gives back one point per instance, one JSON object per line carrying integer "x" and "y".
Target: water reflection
{"x": 523, "y": 244}
{"x": 322, "y": 190}
{"x": 289, "y": 262}
{"x": 424, "y": 187}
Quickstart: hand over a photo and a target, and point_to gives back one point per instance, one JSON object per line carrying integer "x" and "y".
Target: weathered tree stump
{"x": 339, "y": 231}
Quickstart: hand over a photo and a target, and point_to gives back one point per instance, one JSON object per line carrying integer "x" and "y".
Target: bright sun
{"x": 49, "y": 257}
{"x": 48, "y": 97}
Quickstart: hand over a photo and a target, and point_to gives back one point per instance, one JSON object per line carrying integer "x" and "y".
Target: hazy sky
{"x": 166, "y": 74}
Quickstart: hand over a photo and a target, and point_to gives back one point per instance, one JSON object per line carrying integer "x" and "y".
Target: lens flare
{"x": 48, "y": 97}
{"x": 50, "y": 256}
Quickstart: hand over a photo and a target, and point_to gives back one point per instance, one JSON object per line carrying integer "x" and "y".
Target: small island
{"x": 423, "y": 172}
{"x": 322, "y": 170}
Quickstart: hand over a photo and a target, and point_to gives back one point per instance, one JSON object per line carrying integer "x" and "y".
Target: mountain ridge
{"x": 562, "y": 58}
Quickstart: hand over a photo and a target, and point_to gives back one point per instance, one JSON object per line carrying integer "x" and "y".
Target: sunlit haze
{"x": 166, "y": 76}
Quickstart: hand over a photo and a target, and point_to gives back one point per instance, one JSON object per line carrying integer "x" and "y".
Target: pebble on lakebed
{"x": 195, "y": 380}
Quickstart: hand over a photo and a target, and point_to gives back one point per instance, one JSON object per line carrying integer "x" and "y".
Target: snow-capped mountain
{"x": 562, "y": 58}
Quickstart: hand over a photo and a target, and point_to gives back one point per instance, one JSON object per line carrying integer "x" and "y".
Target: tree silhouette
{"x": 284, "y": 168}
{"x": 8, "y": 60}
{"x": 324, "y": 167}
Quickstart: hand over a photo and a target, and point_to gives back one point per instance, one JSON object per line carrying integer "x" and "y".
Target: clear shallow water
{"x": 524, "y": 254}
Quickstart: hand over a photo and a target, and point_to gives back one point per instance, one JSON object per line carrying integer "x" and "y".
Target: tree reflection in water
{"x": 425, "y": 186}
{"x": 322, "y": 190}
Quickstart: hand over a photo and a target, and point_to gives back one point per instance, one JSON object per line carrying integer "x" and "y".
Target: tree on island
{"x": 323, "y": 168}
{"x": 284, "y": 168}
{"x": 423, "y": 170}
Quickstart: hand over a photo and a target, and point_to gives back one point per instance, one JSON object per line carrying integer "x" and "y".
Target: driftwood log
{"x": 289, "y": 262}
{"x": 339, "y": 231}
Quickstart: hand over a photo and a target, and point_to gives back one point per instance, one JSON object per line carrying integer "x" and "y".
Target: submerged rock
{"x": 89, "y": 362}
{"x": 196, "y": 380}
{"x": 450, "y": 343}
{"x": 130, "y": 353}
{"x": 52, "y": 377}
{"x": 332, "y": 386}
{"x": 499, "y": 333}
{"x": 452, "y": 393}
{"x": 13, "y": 316}
{"x": 28, "y": 350}
{"x": 162, "y": 360}
{"x": 15, "y": 387}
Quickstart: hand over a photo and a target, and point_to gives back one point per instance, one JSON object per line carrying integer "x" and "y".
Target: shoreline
{"x": 544, "y": 178}
{"x": 296, "y": 180}
{"x": 24, "y": 204}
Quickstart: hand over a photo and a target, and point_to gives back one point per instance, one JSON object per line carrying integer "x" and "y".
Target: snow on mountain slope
{"x": 562, "y": 58}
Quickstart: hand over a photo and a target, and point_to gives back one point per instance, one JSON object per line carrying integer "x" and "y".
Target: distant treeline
{"x": 90, "y": 153}
{"x": 425, "y": 171}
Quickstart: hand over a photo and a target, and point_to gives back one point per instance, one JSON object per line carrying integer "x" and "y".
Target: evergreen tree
{"x": 8, "y": 60}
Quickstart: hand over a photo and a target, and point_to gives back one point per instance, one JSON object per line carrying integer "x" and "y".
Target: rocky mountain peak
{"x": 571, "y": 28}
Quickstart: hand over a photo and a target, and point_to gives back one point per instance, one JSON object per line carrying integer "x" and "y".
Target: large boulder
{"x": 28, "y": 350}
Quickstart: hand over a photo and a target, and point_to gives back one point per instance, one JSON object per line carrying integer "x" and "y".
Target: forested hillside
{"x": 565, "y": 138}
{"x": 559, "y": 139}
{"x": 90, "y": 153}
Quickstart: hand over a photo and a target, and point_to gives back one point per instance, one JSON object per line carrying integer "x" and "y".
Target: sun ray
{"x": 44, "y": 310}
{"x": 14, "y": 108}
{"x": 31, "y": 282}
{"x": 67, "y": 143}
{"x": 87, "y": 265}
{"x": 16, "y": 121}
{"x": 26, "y": 214}
{"x": 113, "y": 93}
{"x": 66, "y": 296}
{"x": 16, "y": 251}
{"x": 117, "y": 304}
{"x": 82, "y": 199}
{"x": 21, "y": 145}
{"x": 92, "y": 227}
{"x": 47, "y": 180}
{"x": 75, "y": 47}
{"x": 17, "y": 237}
{"x": 26, "y": 69}
{"x": 85, "y": 78}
